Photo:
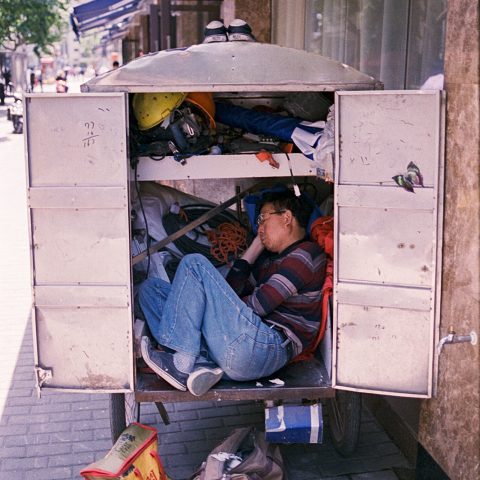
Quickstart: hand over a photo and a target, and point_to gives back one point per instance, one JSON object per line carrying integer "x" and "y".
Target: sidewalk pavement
{"x": 55, "y": 436}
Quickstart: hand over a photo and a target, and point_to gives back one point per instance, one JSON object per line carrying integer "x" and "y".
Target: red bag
{"x": 133, "y": 457}
{"x": 321, "y": 232}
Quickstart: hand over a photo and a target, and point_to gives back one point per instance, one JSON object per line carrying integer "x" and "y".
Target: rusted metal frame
{"x": 260, "y": 394}
{"x": 303, "y": 380}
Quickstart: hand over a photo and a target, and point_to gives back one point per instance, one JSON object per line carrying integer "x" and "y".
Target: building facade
{"x": 404, "y": 44}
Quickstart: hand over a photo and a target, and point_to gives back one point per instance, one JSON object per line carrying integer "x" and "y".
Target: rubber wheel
{"x": 123, "y": 411}
{"x": 345, "y": 413}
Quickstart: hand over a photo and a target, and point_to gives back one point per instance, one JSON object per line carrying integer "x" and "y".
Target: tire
{"x": 344, "y": 413}
{"x": 123, "y": 411}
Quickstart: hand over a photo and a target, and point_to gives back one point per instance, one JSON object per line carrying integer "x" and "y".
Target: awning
{"x": 101, "y": 13}
{"x": 95, "y": 8}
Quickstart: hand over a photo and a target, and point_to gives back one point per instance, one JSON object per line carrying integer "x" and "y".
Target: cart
{"x": 388, "y": 239}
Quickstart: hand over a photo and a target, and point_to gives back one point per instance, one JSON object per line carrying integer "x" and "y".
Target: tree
{"x": 35, "y": 22}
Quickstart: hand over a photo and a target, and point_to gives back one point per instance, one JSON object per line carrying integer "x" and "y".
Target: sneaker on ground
{"x": 215, "y": 31}
{"x": 162, "y": 364}
{"x": 202, "y": 379}
{"x": 240, "y": 31}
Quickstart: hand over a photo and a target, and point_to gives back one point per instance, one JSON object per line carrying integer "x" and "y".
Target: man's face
{"x": 271, "y": 227}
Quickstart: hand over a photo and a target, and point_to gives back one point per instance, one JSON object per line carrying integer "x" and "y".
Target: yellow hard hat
{"x": 150, "y": 109}
{"x": 204, "y": 101}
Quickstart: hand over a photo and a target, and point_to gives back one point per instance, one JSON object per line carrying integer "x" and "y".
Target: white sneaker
{"x": 215, "y": 31}
{"x": 239, "y": 31}
{"x": 202, "y": 379}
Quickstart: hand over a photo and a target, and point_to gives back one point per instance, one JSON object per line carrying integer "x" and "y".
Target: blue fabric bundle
{"x": 305, "y": 135}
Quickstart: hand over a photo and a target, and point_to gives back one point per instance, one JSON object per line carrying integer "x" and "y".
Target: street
{"x": 55, "y": 436}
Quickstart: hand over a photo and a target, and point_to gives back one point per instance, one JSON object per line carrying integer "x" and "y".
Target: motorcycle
{"x": 15, "y": 114}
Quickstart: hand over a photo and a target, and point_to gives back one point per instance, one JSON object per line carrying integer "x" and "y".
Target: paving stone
{"x": 208, "y": 423}
{"x": 94, "y": 403}
{"x": 50, "y": 474}
{"x": 17, "y": 410}
{"x": 179, "y": 437}
{"x": 49, "y": 427}
{"x": 13, "y": 430}
{"x": 85, "y": 415}
{"x": 170, "y": 428}
{"x": 79, "y": 436}
{"x": 9, "y": 452}
{"x": 236, "y": 421}
{"x": 94, "y": 446}
{"x": 173, "y": 448}
{"x": 28, "y": 419}
{"x": 97, "y": 414}
{"x": 102, "y": 433}
{"x": 19, "y": 474}
{"x": 48, "y": 449}
{"x": 83, "y": 459}
{"x": 212, "y": 412}
{"x": 178, "y": 407}
{"x": 184, "y": 415}
{"x": 19, "y": 440}
{"x": 50, "y": 408}
{"x": 151, "y": 419}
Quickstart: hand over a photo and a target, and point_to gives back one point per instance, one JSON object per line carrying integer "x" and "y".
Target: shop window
{"x": 400, "y": 42}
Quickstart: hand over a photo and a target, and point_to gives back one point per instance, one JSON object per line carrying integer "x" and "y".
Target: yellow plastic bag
{"x": 133, "y": 457}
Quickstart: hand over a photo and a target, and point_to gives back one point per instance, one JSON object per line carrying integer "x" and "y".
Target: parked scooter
{"x": 15, "y": 114}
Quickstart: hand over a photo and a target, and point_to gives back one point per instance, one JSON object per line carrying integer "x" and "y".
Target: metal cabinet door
{"x": 77, "y": 165}
{"x": 388, "y": 241}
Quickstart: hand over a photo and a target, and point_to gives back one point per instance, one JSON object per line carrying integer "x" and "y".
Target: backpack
{"x": 243, "y": 455}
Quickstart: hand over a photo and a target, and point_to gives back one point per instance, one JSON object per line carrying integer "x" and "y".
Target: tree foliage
{"x": 35, "y": 22}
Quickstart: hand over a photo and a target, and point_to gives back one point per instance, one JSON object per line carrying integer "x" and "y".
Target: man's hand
{"x": 254, "y": 250}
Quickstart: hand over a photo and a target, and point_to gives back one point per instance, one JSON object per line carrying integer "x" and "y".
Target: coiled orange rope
{"x": 226, "y": 240}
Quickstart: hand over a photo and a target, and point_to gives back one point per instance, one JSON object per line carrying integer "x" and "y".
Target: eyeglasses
{"x": 263, "y": 216}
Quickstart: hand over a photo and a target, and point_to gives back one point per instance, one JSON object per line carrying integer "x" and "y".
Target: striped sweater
{"x": 286, "y": 289}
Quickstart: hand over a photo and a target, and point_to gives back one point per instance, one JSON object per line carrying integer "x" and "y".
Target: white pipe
{"x": 452, "y": 337}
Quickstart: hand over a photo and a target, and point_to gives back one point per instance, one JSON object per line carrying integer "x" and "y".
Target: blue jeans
{"x": 200, "y": 308}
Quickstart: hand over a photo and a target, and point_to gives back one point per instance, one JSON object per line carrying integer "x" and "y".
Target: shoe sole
{"x": 161, "y": 373}
{"x": 202, "y": 379}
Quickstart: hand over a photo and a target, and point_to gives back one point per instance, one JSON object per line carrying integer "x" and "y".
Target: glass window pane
{"x": 396, "y": 41}
{"x": 426, "y": 41}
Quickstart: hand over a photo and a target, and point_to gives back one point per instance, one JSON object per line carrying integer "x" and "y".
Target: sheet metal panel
{"x": 81, "y": 246}
{"x": 82, "y": 296}
{"x": 77, "y": 140}
{"x": 388, "y": 246}
{"x": 87, "y": 197}
{"x": 231, "y": 67}
{"x": 80, "y": 221}
{"x": 223, "y": 166}
{"x": 373, "y": 349}
{"x": 386, "y": 284}
{"x": 383, "y": 139}
{"x": 383, "y": 296}
{"x": 86, "y": 348}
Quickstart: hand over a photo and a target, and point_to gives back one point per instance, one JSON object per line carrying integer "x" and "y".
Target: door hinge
{"x": 43, "y": 375}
